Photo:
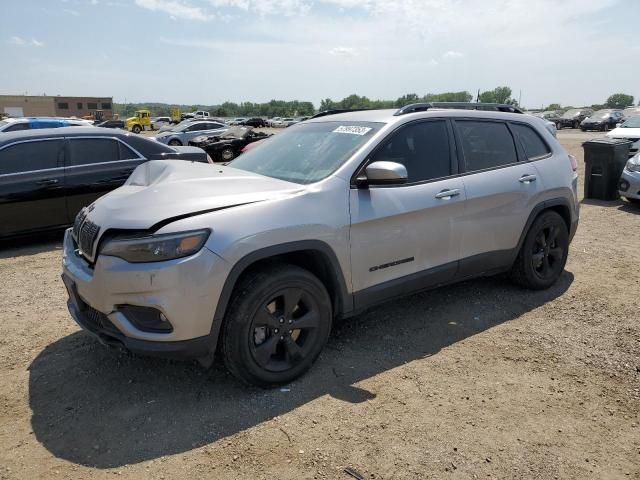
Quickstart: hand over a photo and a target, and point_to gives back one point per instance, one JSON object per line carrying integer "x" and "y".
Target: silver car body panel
{"x": 377, "y": 235}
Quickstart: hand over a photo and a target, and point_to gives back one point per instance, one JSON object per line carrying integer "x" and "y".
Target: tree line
{"x": 284, "y": 108}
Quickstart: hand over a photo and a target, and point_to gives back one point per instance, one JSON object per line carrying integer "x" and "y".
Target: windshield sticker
{"x": 353, "y": 130}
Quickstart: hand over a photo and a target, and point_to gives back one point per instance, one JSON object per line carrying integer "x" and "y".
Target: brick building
{"x": 45, "y": 106}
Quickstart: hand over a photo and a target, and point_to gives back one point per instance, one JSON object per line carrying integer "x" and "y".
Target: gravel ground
{"x": 478, "y": 380}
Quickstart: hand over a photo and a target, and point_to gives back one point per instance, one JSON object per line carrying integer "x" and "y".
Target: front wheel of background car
{"x": 175, "y": 143}
{"x": 278, "y": 321}
{"x": 227, "y": 155}
{"x": 543, "y": 254}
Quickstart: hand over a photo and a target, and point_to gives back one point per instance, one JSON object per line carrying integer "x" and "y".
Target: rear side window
{"x": 486, "y": 144}
{"x": 423, "y": 148}
{"x": 85, "y": 151}
{"x": 534, "y": 146}
{"x": 29, "y": 156}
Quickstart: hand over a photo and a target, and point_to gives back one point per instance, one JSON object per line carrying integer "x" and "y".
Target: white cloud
{"x": 175, "y": 8}
{"x": 16, "y": 41}
{"x": 344, "y": 52}
{"x": 452, "y": 54}
{"x": 74, "y": 13}
{"x": 94, "y": 2}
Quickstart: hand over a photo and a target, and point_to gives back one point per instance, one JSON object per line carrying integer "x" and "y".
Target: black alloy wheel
{"x": 547, "y": 254}
{"x": 277, "y": 323}
{"x": 543, "y": 253}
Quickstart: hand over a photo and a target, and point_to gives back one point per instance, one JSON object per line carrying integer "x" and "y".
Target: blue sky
{"x": 209, "y": 51}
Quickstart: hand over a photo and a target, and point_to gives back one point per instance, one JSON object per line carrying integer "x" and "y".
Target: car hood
{"x": 161, "y": 190}
{"x": 624, "y": 133}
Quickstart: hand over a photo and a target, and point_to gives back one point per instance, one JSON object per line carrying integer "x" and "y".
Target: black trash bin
{"x": 604, "y": 160}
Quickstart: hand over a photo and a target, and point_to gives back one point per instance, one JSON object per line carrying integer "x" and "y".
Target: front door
{"x": 404, "y": 237}
{"x": 32, "y": 196}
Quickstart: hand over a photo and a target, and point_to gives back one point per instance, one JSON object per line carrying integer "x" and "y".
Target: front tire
{"x": 136, "y": 129}
{"x": 277, "y": 324}
{"x": 543, "y": 254}
{"x": 175, "y": 143}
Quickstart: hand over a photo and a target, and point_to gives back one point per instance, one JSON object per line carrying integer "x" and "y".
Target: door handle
{"x": 447, "y": 194}
{"x": 50, "y": 181}
{"x": 527, "y": 179}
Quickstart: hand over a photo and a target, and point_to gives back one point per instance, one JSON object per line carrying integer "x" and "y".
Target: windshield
{"x": 307, "y": 152}
{"x": 633, "y": 122}
{"x": 571, "y": 113}
{"x": 600, "y": 114}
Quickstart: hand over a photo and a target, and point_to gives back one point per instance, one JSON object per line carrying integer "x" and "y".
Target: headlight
{"x": 157, "y": 248}
{"x": 633, "y": 165}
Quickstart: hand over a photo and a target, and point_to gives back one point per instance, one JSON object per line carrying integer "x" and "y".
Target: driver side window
{"x": 423, "y": 148}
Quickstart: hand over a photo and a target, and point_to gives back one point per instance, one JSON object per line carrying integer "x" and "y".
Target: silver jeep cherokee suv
{"x": 322, "y": 221}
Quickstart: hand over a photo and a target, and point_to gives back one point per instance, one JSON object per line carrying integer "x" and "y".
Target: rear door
{"x": 404, "y": 237}
{"x": 32, "y": 196}
{"x": 501, "y": 187}
{"x": 95, "y": 166}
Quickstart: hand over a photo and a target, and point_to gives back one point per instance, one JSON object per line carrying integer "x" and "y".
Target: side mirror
{"x": 383, "y": 173}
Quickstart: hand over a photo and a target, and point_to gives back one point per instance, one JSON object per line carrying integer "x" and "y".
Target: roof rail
{"x": 414, "y": 107}
{"x": 495, "y": 107}
{"x": 335, "y": 111}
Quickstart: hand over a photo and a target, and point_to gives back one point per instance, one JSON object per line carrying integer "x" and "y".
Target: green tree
{"x": 619, "y": 100}
{"x": 554, "y": 106}
{"x": 498, "y": 95}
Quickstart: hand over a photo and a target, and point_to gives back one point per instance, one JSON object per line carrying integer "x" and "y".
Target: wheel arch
{"x": 312, "y": 255}
{"x": 559, "y": 205}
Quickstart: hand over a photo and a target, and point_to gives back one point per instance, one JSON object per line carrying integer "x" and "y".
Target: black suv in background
{"x": 254, "y": 122}
{"x": 48, "y": 175}
{"x": 572, "y": 118}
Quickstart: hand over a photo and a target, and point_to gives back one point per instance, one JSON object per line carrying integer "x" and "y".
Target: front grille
{"x": 78, "y": 222}
{"x": 87, "y": 236}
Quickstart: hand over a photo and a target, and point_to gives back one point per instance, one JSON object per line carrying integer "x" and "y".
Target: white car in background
{"x": 272, "y": 121}
{"x": 183, "y": 132}
{"x": 158, "y": 122}
{"x": 628, "y": 130}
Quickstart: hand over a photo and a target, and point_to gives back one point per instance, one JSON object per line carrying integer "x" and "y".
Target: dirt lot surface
{"x": 478, "y": 380}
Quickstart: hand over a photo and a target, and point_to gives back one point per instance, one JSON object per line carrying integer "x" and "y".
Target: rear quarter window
{"x": 534, "y": 146}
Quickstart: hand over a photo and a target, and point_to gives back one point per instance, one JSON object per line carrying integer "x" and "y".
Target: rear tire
{"x": 543, "y": 254}
{"x": 227, "y": 155}
{"x": 576, "y": 125}
{"x": 260, "y": 342}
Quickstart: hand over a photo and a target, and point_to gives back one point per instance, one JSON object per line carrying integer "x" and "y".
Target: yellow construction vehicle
{"x": 142, "y": 121}
{"x": 176, "y": 115}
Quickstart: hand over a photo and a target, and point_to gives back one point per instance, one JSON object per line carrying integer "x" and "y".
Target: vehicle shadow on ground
{"x": 103, "y": 408}
{"x": 32, "y": 244}
{"x": 619, "y": 204}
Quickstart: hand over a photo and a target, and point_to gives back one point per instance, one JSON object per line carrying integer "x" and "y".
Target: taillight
{"x": 574, "y": 163}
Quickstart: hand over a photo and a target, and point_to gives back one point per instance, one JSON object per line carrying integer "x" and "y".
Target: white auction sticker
{"x": 353, "y": 130}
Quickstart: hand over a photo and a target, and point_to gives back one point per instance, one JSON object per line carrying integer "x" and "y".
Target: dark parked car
{"x": 572, "y": 118}
{"x": 254, "y": 122}
{"x": 111, "y": 124}
{"x": 226, "y": 147}
{"x": 602, "y": 120}
{"x": 48, "y": 175}
{"x": 550, "y": 116}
